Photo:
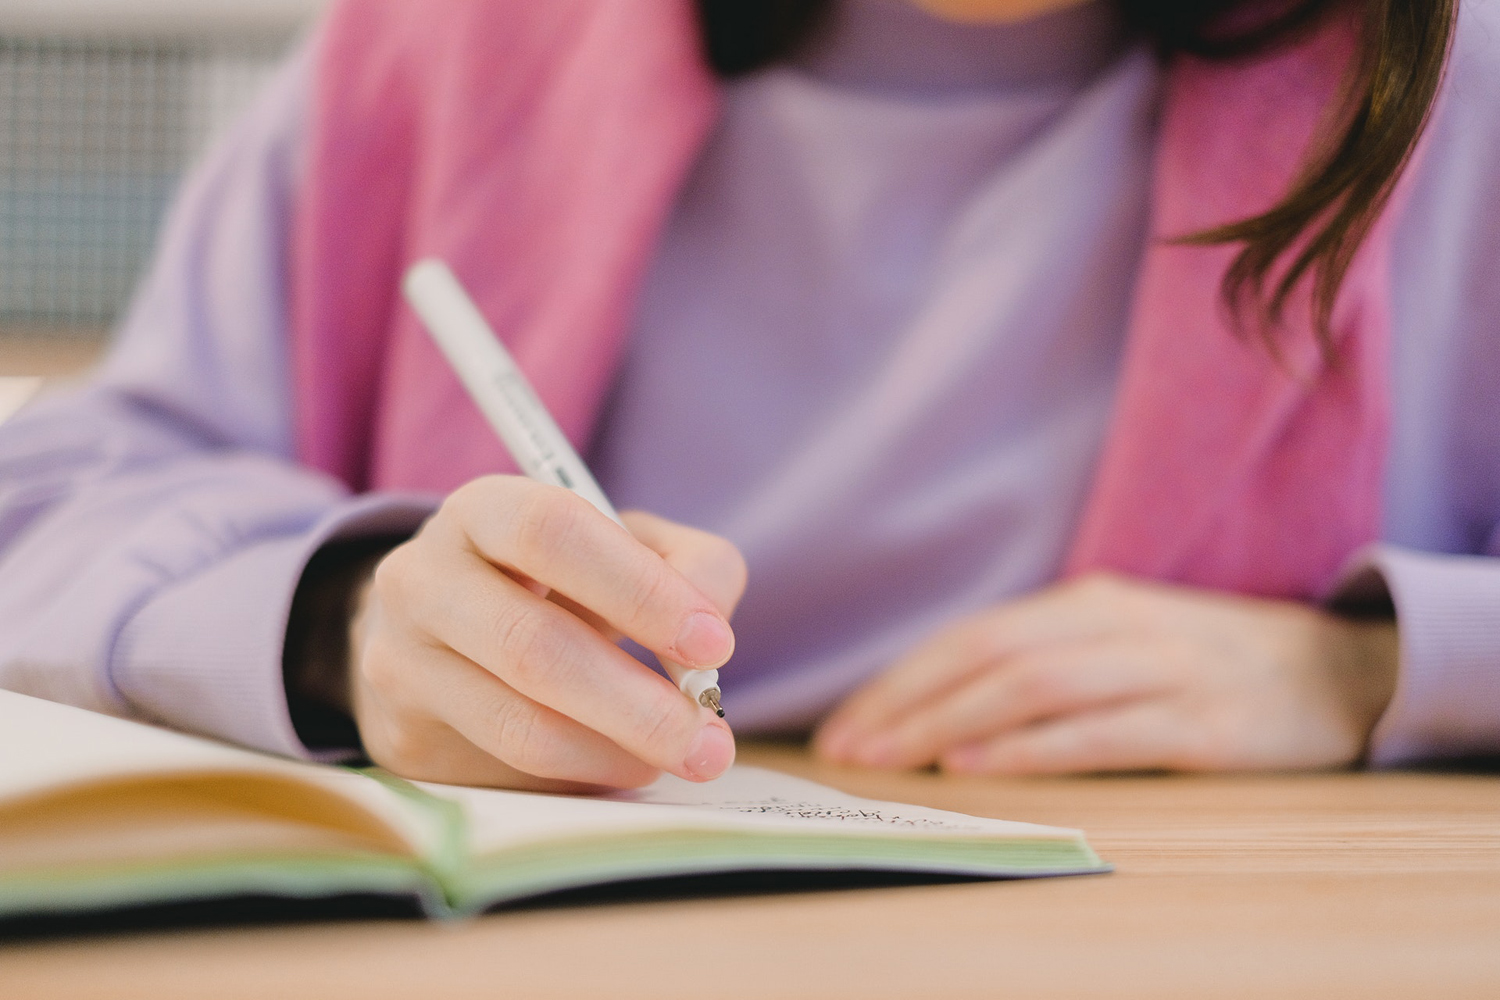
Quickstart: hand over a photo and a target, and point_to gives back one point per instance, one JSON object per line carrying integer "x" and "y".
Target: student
{"x": 899, "y": 309}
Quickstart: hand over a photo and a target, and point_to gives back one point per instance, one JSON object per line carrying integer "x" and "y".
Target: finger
{"x": 551, "y": 657}
{"x": 431, "y": 750}
{"x": 457, "y": 721}
{"x": 1141, "y": 735}
{"x": 709, "y": 562}
{"x": 1027, "y": 687}
{"x": 1066, "y": 613}
{"x": 572, "y": 607}
{"x": 560, "y": 540}
{"x": 947, "y": 660}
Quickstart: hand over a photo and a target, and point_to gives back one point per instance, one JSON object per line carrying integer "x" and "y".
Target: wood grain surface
{"x": 1327, "y": 886}
{"x": 52, "y": 353}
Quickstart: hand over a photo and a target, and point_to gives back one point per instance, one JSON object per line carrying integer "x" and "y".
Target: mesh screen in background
{"x": 94, "y": 136}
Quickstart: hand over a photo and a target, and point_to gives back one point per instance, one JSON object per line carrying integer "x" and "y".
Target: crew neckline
{"x": 894, "y": 47}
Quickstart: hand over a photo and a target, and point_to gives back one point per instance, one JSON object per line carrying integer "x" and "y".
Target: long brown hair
{"x": 1320, "y": 222}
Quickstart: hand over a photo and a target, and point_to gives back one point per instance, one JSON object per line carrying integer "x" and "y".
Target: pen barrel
{"x": 496, "y": 383}
{"x": 511, "y": 406}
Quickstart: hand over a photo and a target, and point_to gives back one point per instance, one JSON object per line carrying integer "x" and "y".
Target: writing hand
{"x": 464, "y": 671}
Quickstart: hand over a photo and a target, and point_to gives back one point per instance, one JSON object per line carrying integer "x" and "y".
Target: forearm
{"x": 143, "y": 573}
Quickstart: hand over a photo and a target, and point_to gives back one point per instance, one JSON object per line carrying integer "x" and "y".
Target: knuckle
{"x": 516, "y": 736}
{"x": 717, "y": 559}
{"x": 383, "y": 670}
{"x": 548, "y": 523}
{"x": 377, "y": 671}
{"x": 1109, "y": 598}
{"x": 392, "y": 565}
{"x": 528, "y": 647}
{"x": 1096, "y": 585}
{"x": 400, "y": 747}
{"x": 392, "y": 574}
{"x": 660, "y": 731}
{"x": 401, "y": 595}
{"x": 477, "y": 497}
{"x": 651, "y": 591}
{"x": 477, "y": 504}
{"x": 721, "y": 552}
{"x": 456, "y": 509}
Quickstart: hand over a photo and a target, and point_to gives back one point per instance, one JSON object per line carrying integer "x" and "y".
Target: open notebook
{"x": 100, "y": 813}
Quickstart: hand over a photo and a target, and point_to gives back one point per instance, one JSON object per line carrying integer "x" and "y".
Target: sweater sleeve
{"x": 153, "y": 524}
{"x": 1440, "y": 556}
{"x": 1447, "y": 699}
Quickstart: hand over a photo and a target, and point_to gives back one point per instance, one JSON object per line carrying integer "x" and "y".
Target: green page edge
{"x": 448, "y": 883}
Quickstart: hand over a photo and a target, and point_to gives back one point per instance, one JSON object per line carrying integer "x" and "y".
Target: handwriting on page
{"x": 865, "y": 816}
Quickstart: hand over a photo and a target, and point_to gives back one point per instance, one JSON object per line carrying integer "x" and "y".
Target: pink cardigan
{"x": 538, "y": 148}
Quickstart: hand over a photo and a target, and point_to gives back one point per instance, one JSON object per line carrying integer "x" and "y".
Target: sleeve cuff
{"x": 204, "y": 655}
{"x": 1447, "y": 700}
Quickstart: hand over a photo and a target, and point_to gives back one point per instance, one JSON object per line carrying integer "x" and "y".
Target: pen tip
{"x": 710, "y": 699}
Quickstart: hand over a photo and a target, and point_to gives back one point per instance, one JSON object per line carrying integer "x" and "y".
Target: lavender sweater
{"x": 877, "y": 350}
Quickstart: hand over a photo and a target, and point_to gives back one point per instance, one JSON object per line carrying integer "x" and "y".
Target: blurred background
{"x": 103, "y": 105}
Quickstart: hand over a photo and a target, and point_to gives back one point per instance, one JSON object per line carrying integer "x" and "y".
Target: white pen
{"x": 512, "y": 407}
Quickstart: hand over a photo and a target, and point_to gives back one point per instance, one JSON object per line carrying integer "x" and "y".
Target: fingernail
{"x": 705, "y": 641}
{"x": 710, "y": 754}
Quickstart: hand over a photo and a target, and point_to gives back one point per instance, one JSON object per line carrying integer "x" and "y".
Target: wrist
{"x": 1371, "y": 663}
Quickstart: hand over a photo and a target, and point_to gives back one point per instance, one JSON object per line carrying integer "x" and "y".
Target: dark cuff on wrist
{"x": 315, "y": 659}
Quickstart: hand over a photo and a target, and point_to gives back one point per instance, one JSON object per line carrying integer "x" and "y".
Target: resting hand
{"x": 484, "y": 651}
{"x": 1108, "y": 674}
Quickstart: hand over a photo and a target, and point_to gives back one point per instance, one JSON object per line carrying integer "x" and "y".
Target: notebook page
{"x": 46, "y": 746}
{"x": 744, "y": 799}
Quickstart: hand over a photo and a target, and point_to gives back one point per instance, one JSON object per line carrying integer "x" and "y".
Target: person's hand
{"x": 484, "y": 651}
{"x": 1107, "y": 673}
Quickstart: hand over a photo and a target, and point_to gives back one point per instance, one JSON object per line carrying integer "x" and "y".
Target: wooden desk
{"x": 1332, "y": 886}
{"x": 51, "y": 353}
